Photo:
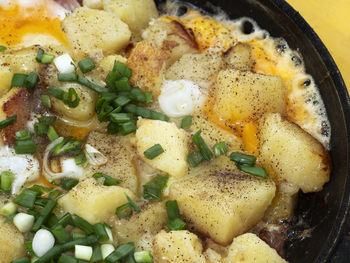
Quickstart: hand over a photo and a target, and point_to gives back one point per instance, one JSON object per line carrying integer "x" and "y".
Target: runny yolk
{"x": 17, "y": 21}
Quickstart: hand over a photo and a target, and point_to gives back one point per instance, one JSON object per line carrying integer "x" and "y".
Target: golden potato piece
{"x": 93, "y": 201}
{"x": 11, "y": 242}
{"x": 223, "y": 205}
{"x": 136, "y": 13}
{"x": 173, "y": 140}
{"x": 177, "y": 247}
{"x": 120, "y": 156}
{"x": 289, "y": 153}
{"x": 15, "y": 102}
{"x": 239, "y": 57}
{"x": 141, "y": 227}
{"x": 95, "y": 4}
{"x": 147, "y": 63}
{"x": 91, "y": 29}
{"x": 249, "y": 248}
{"x": 242, "y": 95}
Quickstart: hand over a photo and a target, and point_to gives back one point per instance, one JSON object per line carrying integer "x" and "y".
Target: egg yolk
{"x": 17, "y": 21}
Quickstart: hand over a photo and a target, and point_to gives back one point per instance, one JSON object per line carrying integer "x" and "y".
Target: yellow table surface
{"x": 331, "y": 21}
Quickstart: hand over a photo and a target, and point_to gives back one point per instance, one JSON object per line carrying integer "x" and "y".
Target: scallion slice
{"x": 65, "y": 220}
{"x": 153, "y": 152}
{"x": 78, "y": 235}
{"x": 195, "y": 158}
{"x": 60, "y": 234}
{"x": 176, "y": 224}
{"x": 127, "y": 128}
{"x": 44, "y": 214}
{"x": 122, "y": 69}
{"x": 109, "y": 96}
{"x": 46, "y": 59}
{"x": 82, "y": 224}
{"x": 153, "y": 189}
{"x": 7, "y": 179}
{"x": 123, "y": 84}
{"x": 120, "y": 252}
{"x": 108, "y": 181}
{"x": 111, "y": 79}
{"x": 132, "y": 203}
{"x": 68, "y": 183}
{"x": 22, "y": 135}
{"x": 68, "y": 146}
{"x": 87, "y": 83}
{"x": 31, "y": 80}
{"x": 123, "y": 211}
{"x": 96, "y": 255}
{"x": 202, "y": 146}
{"x": 253, "y": 170}
{"x": 143, "y": 257}
{"x": 45, "y": 99}
{"x": 137, "y": 95}
{"x": 55, "y": 92}
{"x": 2, "y": 48}
{"x": 8, "y": 121}
{"x": 243, "y": 158}
{"x": 80, "y": 159}
{"x": 52, "y": 134}
{"x": 21, "y": 260}
{"x": 112, "y": 128}
{"x": 121, "y": 117}
{"x": 24, "y": 147}
{"x": 26, "y": 198}
{"x": 220, "y": 149}
{"x": 40, "y": 54}
{"x": 122, "y": 101}
{"x": 47, "y": 120}
{"x": 40, "y": 129}
{"x": 86, "y": 65}
{"x": 71, "y": 98}
{"x": 64, "y": 258}
{"x": 18, "y": 80}
{"x": 148, "y": 96}
{"x": 67, "y": 77}
{"x": 101, "y": 232}
{"x": 172, "y": 209}
{"x": 186, "y": 122}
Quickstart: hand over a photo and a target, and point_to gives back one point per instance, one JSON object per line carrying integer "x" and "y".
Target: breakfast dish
{"x": 130, "y": 134}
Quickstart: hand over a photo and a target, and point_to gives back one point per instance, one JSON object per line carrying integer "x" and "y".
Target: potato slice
{"x": 136, "y": 13}
{"x": 239, "y": 57}
{"x": 15, "y": 102}
{"x": 242, "y": 95}
{"x": 89, "y": 30}
{"x": 141, "y": 227}
{"x": 289, "y": 153}
{"x": 176, "y": 247}
{"x": 249, "y": 248}
{"x": 173, "y": 140}
{"x": 223, "y": 205}
{"x": 93, "y": 201}
{"x": 11, "y": 242}
{"x": 147, "y": 62}
{"x": 120, "y": 156}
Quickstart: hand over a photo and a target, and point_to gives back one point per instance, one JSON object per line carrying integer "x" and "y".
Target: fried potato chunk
{"x": 176, "y": 247}
{"x": 223, "y": 205}
{"x": 289, "y": 153}
{"x": 239, "y": 57}
{"x": 249, "y": 248}
{"x": 243, "y": 95}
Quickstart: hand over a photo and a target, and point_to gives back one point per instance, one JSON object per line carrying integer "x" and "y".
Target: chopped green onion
{"x": 31, "y": 80}
{"x": 121, "y": 117}
{"x": 28, "y": 245}
{"x": 103, "y": 109}
{"x": 67, "y": 77}
{"x": 124, "y": 211}
{"x": 44, "y": 214}
{"x": 7, "y": 179}
{"x": 22, "y": 135}
{"x": 8, "y": 121}
{"x": 186, "y": 122}
{"x": 101, "y": 232}
{"x": 68, "y": 184}
{"x": 10, "y": 218}
{"x": 87, "y": 83}
{"x": 40, "y": 54}
{"x": 122, "y": 101}
{"x": 108, "y": 181}
{"x": 46, "y": 59}
{"x": 96, "y": 255}
{"x": 52, "y": 134}
{"x": 52, "y": 221}
{"x": 40, "y": 129}
{"x": 77, "y": 235}
{"x": 41, "y": 201}
{"x": 220, "y": 149}
{"x": 82, "y": 224}
{"x": 195, "y": 158}
{"x": 26, "y": 198}
{"x": 158, "y": 116}
{"x": 145, "y": 113}
{"x": 65, "y": 220}
{"x": 129, "y": 259}
{"x": 153, "y": 152}
{"x": 112, "y": 128}
{"x": 68, "y": 146}
{"x": 2, "y": 48}
{"x": 137, "y": 95}
{"x": 127, "y": 128}
{"x": 143, "y": 257}
{"x": 80, "y": 159}
{"x": 203, "y": 148}
{"x": 172, "y": 209}
{"x": 54, "y": 194}
{"x": 60, "y": 234}
{"x": 21, "y": 260}
{"x": 55, "y": 92}
{"x": 86, "y": 65}
{"x": 45, "y": 99}
{"x": 24, "y": 147}
{"x": 109, "y": 96}
{"x": 120, "y": 252}
{"x": 47, "y": 120}
{"x": 148, "y": 97}
{"x": 253, "y": 170}
{"x": 111, "y": 79}
{"x": 176, "y": 224}
{"x": 64, "y": 258}
{"x": 18, "y": 80}
{"x": 153, "y": 189}
{"x": 8, "y": 209}
{"x": 133, "y": 205}
{"x": 40, "y": 189}
{"x": 123, "y": 84}
{"x": 71, "y": 98}
{"x": 243, "y": 158}
{"x": 122, "y": 69}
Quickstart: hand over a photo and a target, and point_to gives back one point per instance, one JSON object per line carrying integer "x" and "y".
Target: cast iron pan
{"x": 325, "y": 212}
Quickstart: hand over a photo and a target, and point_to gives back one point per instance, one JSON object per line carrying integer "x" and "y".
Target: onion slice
{"x": 94, "y": 156}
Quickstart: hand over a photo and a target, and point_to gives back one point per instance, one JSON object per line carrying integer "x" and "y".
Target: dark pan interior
{"x": 324, "y": 212}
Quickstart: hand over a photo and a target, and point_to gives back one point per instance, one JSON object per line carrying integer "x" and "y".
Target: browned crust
{"x": 186, "y": 35}
{"x": 18, "y": 104}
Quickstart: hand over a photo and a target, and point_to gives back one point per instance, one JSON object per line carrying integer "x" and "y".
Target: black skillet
{"x": 324, "y": 212}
